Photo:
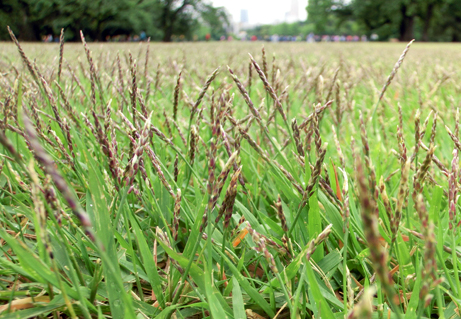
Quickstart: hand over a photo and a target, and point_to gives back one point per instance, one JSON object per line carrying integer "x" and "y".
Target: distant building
{"x": 293, "y": 14}
{"x": 244, "y": 16}
{"x": 244, "y": 21}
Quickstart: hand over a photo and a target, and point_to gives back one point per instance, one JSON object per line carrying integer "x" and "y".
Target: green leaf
{"x": 148, "y": 262}
{"x": 320, "y": 302}
{"x": 237, "y": 300}
{"x": 315, "y": 225}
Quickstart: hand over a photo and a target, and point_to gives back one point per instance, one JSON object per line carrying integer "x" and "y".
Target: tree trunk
{"x": 99, "y": 32}
{"x": 406, "y": 26}
{"x": 427, "y": 21}
{"x": 167, "y": 33}
{"x": 27, "y": 32}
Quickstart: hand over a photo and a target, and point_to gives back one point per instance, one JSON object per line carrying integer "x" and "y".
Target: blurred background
{"x": 252, "y": 20}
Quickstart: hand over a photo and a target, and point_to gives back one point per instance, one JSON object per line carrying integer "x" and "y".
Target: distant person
{"x": 310, "y": 38}
{"x": 142, "y": 36}
{"x": 207, "y": 37}
{"x": 363, "y": 38}
{"x": 275, "y": 38}
{"x": 254, "y": 38}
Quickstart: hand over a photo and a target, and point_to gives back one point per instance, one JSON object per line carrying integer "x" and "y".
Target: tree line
{"x": 425, "y": 20}
{"x": 161, "y": 20}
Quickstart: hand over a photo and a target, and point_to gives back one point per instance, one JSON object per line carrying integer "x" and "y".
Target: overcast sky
{"x": 261, "y": 11}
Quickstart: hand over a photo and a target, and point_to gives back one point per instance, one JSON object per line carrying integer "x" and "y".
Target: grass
{"x": 127, "y": 193}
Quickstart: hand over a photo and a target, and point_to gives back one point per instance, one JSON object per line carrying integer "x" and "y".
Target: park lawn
{"x": 209, "y": 193}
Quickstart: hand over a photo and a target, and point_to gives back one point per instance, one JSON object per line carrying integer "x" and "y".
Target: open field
{"x": 216, "y": 195}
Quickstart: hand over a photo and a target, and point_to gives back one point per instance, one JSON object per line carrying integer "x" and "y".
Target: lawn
{"x": 192, "y": 180}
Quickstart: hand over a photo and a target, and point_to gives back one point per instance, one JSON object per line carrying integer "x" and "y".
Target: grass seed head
{"x": 370, "y": 222}
{"x": 176, "y": 214}
{"x": 61, "y": 53}
{"x": 297, "y": 137}
{"x": 176, "y": 97}
{"x": 453, "y": 190}
{"x": 59, "y": 181}
{"x": 394, "y": 70}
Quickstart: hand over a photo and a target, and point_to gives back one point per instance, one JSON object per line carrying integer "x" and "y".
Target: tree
{"x": 21, "y": 16}
{"x": 160, "y": 19}
{"x": 320, "y": 14}
{"x": 447, "y": 22}
{"x": 215, "y": 19}
{"x": 331, "y": 17}
{"x": 181, "y": 17}
{"x": 402, "y": 19}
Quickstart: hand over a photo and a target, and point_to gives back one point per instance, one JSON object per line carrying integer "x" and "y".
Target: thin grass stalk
{"x": 146, "y": 64}
{"x": 401, "y": 200}
{"x": 61, "y": 54}
{"x": 229, "y": 199}
{"x": 270, "y": 90}
{"x": 176, "y": 168}
{"x": 59, "y": 181}
{"x": 176, "y": 97}
{"x": 297, "y": 137}
{"x": 377, "y": 253}
{"x": 24, "y": 58}
{"x": 250, "y": 75}
{"x": 429, "y": 271}
{"x": 392, "y": 75}
{"x": 134, "y": 89}
{"x": 176, "y": 214}
{"x": 202, "y": 92}
{"x": 313, "y": 180}
{"x": 92, "y": 71}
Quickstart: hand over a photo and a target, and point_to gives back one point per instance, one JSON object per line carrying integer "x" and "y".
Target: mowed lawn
{"x": 193, "y": 180}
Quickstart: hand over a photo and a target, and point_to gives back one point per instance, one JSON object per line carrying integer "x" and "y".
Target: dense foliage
{"x": 321, "y": 181}
{"x": 426, "y": 20}
{"x": 159, "y": 19}
{"x": 433, "y": 20}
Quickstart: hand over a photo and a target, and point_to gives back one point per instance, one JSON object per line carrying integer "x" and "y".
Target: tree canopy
{"x": 426, "y": 20}
{"x": 159, "y": 19}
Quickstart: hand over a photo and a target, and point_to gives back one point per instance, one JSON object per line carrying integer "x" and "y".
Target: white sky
{"x": 261, "y": 11}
